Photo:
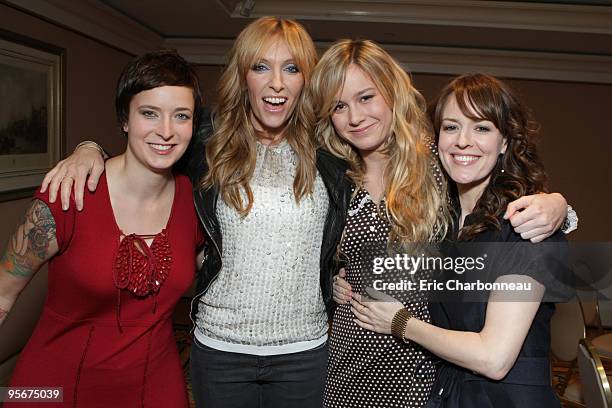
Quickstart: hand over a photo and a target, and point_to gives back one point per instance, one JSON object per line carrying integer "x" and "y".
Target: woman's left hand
{"x": 375, "y": 314}
{"x": 538, "y": 216}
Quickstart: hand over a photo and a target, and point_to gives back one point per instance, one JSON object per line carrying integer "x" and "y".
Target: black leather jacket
{"x": 333, "y": 173}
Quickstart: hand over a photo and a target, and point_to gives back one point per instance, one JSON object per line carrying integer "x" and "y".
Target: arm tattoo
{"x": 3, "y": 314}
{"x": 29, "y": 245}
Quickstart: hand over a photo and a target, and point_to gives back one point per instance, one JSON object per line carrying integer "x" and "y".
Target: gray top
{"x": 267, "y": 297}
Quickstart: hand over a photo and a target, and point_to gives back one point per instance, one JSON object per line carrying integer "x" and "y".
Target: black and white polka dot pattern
{"x": 368, "y": 369}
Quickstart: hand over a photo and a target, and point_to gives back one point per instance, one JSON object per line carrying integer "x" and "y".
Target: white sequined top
{"x": 267, "y": 297}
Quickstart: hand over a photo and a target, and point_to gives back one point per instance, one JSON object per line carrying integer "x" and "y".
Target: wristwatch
{"x": 571, "y": 221}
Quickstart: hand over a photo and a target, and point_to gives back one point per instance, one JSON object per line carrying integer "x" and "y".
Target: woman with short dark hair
{"x": 118, "y": 268}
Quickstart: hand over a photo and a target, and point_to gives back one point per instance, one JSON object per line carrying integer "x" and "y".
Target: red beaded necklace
{"x": 141, "y": 269}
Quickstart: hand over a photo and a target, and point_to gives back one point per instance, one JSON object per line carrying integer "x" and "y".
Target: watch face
{"x": 571, "y": 221}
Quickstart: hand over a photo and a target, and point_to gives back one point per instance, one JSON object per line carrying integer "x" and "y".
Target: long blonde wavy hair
{"x": 231, "y": 150}
{"x": 415, "y": 199}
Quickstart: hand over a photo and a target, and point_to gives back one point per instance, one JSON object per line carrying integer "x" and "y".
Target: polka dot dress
{"x": 368, "y": 369}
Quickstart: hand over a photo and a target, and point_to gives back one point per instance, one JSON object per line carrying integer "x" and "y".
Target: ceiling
{"x": 578, "y": 27}
{"x": 543, "y": 40}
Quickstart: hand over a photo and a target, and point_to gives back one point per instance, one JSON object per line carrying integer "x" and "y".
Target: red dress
{"x": 106, "y": 346}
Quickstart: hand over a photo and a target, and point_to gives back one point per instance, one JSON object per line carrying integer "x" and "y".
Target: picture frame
{"x": 32, "y": 136}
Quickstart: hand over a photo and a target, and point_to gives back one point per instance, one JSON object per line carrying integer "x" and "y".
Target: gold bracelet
{"x": 92, "y": 145}
{"x": 399, "y": 323}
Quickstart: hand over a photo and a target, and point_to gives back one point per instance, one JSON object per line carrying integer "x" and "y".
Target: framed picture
{"x": 31, "y": 112}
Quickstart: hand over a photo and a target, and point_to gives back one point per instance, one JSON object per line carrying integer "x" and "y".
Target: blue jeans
{"x": 220, "y": 379}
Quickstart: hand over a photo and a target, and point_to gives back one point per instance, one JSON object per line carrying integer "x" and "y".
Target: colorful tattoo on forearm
{"x": 29, "y": 244}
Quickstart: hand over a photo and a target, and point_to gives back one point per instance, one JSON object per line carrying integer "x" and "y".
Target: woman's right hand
{"x": 86, "y": 160}
{"x": 342, "y": 289}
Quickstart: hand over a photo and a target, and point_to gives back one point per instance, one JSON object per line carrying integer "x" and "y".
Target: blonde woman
{"x": 260, "y": 308}
{"x": 370, "y": 115}
{"x": 273, "y": 209}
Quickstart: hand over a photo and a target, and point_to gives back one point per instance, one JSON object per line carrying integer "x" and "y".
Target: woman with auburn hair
{"x": 496, "y": 350}
{"x": 273, "y": 208}
{"x": 370, "y": 115}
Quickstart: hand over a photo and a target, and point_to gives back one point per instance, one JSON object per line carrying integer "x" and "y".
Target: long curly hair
{"x": 479, "y": 97}
{"x": 231, "y": 150}
{"x": 415, "y": 201}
